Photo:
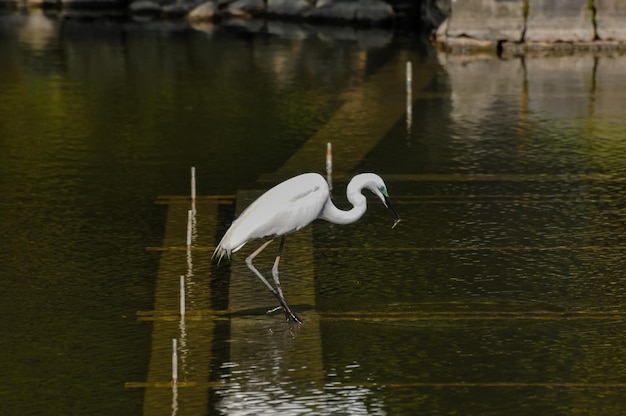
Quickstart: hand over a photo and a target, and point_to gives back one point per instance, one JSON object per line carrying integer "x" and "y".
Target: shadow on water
{"x": 500, "y": 292}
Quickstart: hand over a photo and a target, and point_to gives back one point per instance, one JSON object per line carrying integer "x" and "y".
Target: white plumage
{"x": 290, "y": 206}
{"x": 287, "y": 207}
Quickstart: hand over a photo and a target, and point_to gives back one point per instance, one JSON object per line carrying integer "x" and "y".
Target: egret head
{"x": 379, "y": 188}
{"x": 385, "y": 198}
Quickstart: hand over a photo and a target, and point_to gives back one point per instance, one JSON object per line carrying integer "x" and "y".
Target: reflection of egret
{"x": 290, "y": 206}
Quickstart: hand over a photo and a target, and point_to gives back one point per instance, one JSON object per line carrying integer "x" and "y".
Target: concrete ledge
{"x": 562, "y": 48}
{"x": 487, "y": 20}
{"x": 611, "y": 19}
{"x": 463, "y": 45}
{"x": 559, "y": 21}
{"x": 531, "y": 26}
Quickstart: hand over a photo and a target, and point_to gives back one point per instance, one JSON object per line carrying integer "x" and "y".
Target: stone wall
{"x": 519, "y": 26}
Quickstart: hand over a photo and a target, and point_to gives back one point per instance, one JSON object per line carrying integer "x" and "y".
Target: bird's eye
{"x": 382, "y": 190}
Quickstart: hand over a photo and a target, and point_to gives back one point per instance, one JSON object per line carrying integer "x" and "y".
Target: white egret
{"x": 290, "y": 206}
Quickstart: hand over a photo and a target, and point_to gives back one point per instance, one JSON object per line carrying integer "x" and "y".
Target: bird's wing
{"x": 279, "y": 214}
{"x": 288, "y": 207}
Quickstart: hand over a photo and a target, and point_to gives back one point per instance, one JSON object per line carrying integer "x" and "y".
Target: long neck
{"x": 359, "y": 206}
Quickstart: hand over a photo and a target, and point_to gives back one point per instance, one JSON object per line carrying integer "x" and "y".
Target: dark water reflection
{"x": 501, "y": 292}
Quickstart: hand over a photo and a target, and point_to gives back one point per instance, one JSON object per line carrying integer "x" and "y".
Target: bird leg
{"x": 288, "y": 312}
{"x": 275, "y": 268}
{"x": 277, "y": 293}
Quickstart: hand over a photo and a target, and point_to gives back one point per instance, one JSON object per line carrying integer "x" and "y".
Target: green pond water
{"x": 502, "y": 292}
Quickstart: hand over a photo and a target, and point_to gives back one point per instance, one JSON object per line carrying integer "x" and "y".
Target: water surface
{"x": 501, "y": 292}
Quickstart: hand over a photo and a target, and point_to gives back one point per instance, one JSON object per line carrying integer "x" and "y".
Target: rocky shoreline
{"x": 370, "y": 13}
{"x": 460, "y": 27}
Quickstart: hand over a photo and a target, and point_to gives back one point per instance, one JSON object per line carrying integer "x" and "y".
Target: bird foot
{"x": 289, "y": 314}
{"x": 271, "y": 311}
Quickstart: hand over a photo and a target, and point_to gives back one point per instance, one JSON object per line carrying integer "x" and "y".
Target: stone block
{"x": 492, "y": 20}
{"x": 611, "y": 19}
{"x": 559, "y": 21}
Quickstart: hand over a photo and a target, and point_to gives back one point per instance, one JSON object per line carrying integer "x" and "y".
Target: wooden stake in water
{"x": 193, "y": 183}
{"x": 193, "y": 189}
{"x": 409, "y": 77}
{"x": 182, "y": 296}
{"x": 409, "y": 96}
{"x": 329, "y": 165}
{"x": 189, "y": 227}
{"x": 174, "y": 360}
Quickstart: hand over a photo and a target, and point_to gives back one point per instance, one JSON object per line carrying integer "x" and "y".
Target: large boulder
{"x": 434, "y": 12}
{"x": 334, "y": 10}
{"x": 180, "y": 8}
{"x": 83, "y": 3}
{"x": 245, "y": 8}
{"x": 373, "y": 11}
{"x": 293, "y": 8}
{"x": 204, "y": 12}
{"x": 145, "y": 7}
{"x": 365, "y": 11}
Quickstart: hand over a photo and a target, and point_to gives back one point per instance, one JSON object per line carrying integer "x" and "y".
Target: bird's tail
{"x": 228, "y": 245}
{"x": 219, "y": 253}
